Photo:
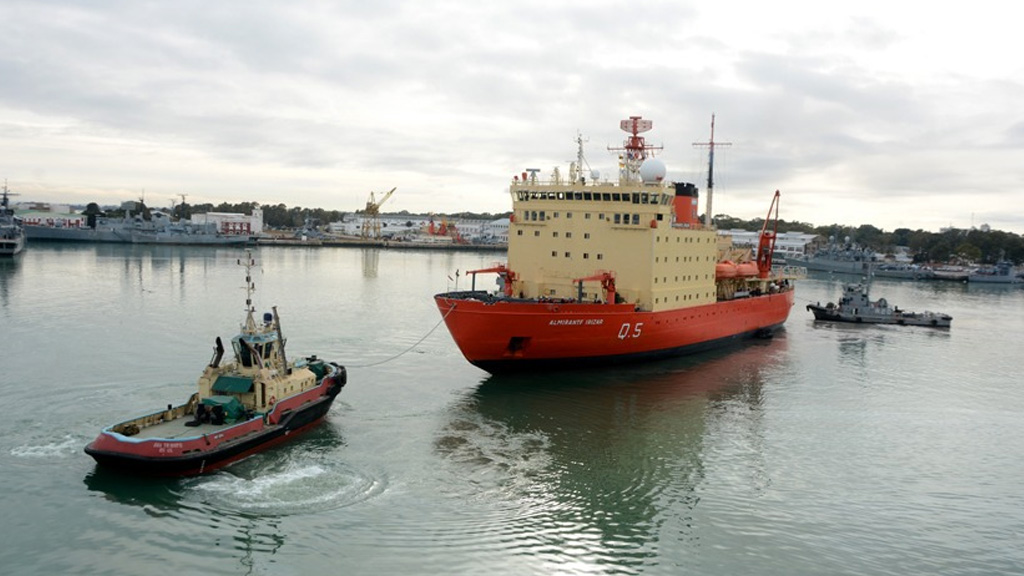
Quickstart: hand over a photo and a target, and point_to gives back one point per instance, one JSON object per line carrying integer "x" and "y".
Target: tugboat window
{"x": 244, "y": 354}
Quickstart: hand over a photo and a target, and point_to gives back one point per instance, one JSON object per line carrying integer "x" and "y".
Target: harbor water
{"x": 828, "y": 449}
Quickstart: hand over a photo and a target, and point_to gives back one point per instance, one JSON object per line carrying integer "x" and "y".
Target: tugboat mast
{"x": 711, "y": 167}
{"x": 250, "y": 323}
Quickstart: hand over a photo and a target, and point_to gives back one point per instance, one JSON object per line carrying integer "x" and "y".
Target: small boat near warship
{"x": 256, "y": 401}
{"x": 855, "y": 306}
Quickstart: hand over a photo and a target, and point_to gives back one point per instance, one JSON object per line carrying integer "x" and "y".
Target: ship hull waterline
{"x": 509, "y": 335}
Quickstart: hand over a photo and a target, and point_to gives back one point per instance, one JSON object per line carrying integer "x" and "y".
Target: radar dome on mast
{"x": 652, "y": 170}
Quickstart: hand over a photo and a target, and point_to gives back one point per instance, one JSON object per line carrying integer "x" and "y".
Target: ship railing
{"x": 791, "y": 272}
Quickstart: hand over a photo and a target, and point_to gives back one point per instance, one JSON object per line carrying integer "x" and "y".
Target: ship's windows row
{"x": 618, "y": 218}
{"x": 586, "y": 255}
{"x": 632, "y": 197}
{"x": 685, "y": 297}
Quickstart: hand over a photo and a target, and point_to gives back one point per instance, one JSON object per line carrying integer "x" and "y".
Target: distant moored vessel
{"x": 138, "y": 226}
{"x": 12, "y": 232}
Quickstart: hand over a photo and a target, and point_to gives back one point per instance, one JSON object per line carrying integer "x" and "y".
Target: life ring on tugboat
{"x": 273, "y": 400}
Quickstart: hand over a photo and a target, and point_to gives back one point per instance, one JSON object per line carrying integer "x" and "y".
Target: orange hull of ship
{"x": 501, "y": 335}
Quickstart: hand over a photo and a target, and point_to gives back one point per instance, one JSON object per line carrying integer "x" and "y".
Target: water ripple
{"x": 296, "y": 487}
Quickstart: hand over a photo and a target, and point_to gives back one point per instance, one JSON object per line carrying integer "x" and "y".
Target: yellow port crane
{"x": 371, "y": 216}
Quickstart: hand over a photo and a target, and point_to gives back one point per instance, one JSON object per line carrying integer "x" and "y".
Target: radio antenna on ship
{"x": 576, "y": 173}
{"x": 711, "y": 167}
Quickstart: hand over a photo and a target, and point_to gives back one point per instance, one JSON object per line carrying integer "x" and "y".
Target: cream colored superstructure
{"x": 561, "y": 232}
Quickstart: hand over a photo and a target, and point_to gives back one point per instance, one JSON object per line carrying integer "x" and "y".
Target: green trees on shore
{"x": 949, "y": 245}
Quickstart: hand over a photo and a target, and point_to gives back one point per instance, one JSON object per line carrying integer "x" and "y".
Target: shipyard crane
{"x": 371, "y": 216}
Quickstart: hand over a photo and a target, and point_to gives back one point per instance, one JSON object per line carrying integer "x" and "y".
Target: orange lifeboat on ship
{"x": 746, "y": 269}
{"x": 726, "y": 269}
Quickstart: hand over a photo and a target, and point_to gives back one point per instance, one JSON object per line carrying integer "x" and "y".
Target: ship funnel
{"x": 685, "y": 205}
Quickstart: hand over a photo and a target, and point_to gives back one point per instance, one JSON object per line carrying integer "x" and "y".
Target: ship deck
{"x": 176, "y": 429}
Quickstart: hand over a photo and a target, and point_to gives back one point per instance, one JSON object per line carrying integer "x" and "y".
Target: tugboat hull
{"x": 209, "y": 448}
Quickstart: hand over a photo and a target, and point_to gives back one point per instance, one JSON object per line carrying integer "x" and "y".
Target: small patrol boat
{"x": 855, "y": 306}
{"x": 243, "y": 406}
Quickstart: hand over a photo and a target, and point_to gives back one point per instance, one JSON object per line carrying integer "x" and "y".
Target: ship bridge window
{"x": 587, "y": 196}
{"x": 636, "y": 197}
{"x": 542, "y": 216}
{"x": 616, "y": 197}
{"x": 606, "y": 196}
{"x": 636, "y": 218}
{"x": 618, "y": 218}
{"x": 578, "y": 195}
{"x": 643, "y": 197}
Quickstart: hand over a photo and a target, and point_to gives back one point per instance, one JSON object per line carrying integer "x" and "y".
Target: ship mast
{"x": 576, "y": 171}
{"x": 711, "y": 167}
{"x": 635, "y": 149}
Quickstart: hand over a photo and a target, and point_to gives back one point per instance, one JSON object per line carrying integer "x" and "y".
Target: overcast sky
{"x": 897, "y": 114}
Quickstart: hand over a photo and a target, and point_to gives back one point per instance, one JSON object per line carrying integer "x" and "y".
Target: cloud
{"x": 856, "y": 113}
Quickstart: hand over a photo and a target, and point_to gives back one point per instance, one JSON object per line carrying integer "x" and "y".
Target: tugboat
{"x": 256, "y": 401}
{"x": 855, "y": 306}
{"x": 605, "y": 272}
